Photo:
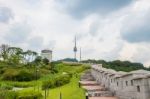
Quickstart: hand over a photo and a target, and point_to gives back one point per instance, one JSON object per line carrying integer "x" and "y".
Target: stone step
{"x": 100, "y": 93}
{"x": 88, "y": 83}
{"x": 103, "y": 98}
{"x": 94, "y": 88}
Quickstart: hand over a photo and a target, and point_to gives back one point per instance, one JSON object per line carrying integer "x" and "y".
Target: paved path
{"x": 93, "y": 89}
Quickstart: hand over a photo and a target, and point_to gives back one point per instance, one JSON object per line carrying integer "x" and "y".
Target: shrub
{"x": 56, "y": 82}
{"x": 10, "y": 74}
{"x": 82, "y": 68}
{"x": 2, "y": 70}
{"x": 48, "y": 84}
{"x": 23, "y": 84}
{"x": 29, "y": 95}
{"x": 62, "y": 79}
{"x": 6, "y": 94}
{"x": 6, "y": 87}
{"x": 44, "y": 71}
{"x": 20, "y": 75}
{"x": 24, "y": 75}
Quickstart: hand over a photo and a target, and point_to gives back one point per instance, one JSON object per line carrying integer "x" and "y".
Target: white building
{"x": 47, "y": 54}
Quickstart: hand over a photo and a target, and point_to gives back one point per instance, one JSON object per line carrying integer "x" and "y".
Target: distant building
{"x": 47, "y": 54}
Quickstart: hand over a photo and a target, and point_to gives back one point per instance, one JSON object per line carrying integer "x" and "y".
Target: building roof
{"x": 139, "y": 77}
{"x": 46, "y": 51}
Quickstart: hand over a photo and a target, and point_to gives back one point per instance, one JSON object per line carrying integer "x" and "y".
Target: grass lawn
{"x": 69, "y": 91}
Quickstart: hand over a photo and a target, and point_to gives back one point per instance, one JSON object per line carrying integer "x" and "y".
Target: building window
{"x": 117, "y": 83}
{"x": 138, "y": 88}
{"x": 131, "y": 82}
{"x": 126, "y": 83}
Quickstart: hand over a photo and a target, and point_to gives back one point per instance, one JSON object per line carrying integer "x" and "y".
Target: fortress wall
{"x": 132, "y": 85}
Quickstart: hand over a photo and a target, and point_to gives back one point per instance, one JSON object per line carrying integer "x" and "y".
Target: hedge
{"x": 56, "y": 81}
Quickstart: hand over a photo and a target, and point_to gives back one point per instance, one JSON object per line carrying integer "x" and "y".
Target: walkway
{"x": 93, "y": 89}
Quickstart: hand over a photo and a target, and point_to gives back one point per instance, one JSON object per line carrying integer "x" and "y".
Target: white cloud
{"x": 44, "y": 25}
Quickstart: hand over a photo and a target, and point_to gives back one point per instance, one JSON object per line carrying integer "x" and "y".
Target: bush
{"x": 24, "y": 76}
{"x": 23, "y": 84}
{"x": 6, "y": 94}
{"x": 56, "y": 82}
{"x": 62, "y": 79}
{"x": 48, "y": 84}
{"x": 6, "y": 87}
{"x": 29, "y": 95}
{"x": 10, "y": 74}
{"x": 44, "y": 71}
{"x": 82, "y": 68}
{"x": 2, "y": 70}
{"x": 20, "y": 75}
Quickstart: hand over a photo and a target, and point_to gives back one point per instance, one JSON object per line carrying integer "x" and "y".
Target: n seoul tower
{"x": 75, "y": 49}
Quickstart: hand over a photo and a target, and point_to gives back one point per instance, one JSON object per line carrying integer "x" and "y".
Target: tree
{"x": 4, "y": 51}
{"x": 38, "y": 60}
{"x": 45, "y": 61}
{"x": 29, "y": 56}
{"x": 15, "y": 55}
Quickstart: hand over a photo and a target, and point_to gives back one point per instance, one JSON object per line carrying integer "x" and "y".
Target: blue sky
{"x": 105, "y": 29}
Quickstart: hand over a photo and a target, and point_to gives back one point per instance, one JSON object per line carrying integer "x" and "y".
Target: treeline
{"x": 21, "y": 65}
{"x": 16, "y": 56}
{"x": 118, "y": 65}
{"x": 69, "y": 60}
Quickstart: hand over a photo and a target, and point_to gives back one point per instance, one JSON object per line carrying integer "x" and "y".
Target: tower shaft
{"x": 75, "y": 48}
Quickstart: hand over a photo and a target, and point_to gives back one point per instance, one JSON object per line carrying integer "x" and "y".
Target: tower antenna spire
{"x": 75, "y": 48}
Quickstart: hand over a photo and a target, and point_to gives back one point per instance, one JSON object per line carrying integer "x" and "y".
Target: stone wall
{"x": 131, "y": 85}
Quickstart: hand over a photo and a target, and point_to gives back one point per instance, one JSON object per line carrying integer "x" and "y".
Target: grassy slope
{"x": 69, "y": 91}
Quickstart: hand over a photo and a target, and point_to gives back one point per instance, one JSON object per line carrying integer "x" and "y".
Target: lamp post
{"x": 37, "y": 70}
{"x": 60, "y": 96}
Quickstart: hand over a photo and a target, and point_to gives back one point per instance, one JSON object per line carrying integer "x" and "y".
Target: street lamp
{"x": 37, "y": 70}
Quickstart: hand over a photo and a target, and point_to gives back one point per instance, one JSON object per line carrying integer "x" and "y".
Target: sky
{"x": 105, "y": 29}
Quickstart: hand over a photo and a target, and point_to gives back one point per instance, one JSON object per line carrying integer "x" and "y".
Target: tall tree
{"x": 15, "y": 55}
{"x": 4, "y": 51}
{"x": 45, "y": 61}
{"x": 29, "y": 55}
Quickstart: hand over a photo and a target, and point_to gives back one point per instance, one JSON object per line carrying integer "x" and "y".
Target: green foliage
{"x": 69, "y": 60}
{"x": 24, "y": 75}
{"x": 10, "y": 74}
{"x": 72, "y": 64}
{"x": 48, "y": 84}
{"x": 69, "y": 91}
{"x": 22, "y": 84}
{"x": 6, "y": 87}
{"x": 6, "y": 94}
{"x": 118, "y": 65}
{"x": 29, "y": 94}
{"x": 45, "y": 61}
{"x": 62, "y": 79}
{"x": 57, "y": 81}
{"x": 19, "y": 75}
{"x": 38, "y": 60}
{"x": 62, "y": 73}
